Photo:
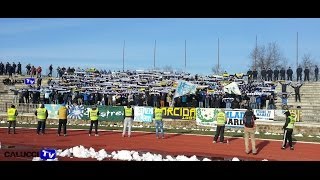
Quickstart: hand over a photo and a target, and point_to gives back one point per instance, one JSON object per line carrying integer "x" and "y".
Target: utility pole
{"x": 154, "y": 55}
{"x": 185, "y": 56}
{"x": 255, "y": 53}
{"x": 297, "y": 49}
{"x": 218, "y": 57}
{"x": 124, "y": 44}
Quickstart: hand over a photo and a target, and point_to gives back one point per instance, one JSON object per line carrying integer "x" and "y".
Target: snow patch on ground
{"x": 298, "y": 135}
{"x": 235, "y": 159}
{"x": 267, "y": 133}
{"x": 125, "y": 155}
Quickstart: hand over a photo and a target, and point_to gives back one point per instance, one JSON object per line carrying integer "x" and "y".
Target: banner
{"x": 207, "y": 116}
{"x": 52, "y": 110}
{"x": 185, "y": 113}
{"x": 264, "y": 114}
{"x": 185, "y": 87}
{"x": 76, "y": 112}
{"x": 143, "y": 114}
{"x": 280, "y": 116}
{"x": 234, "y": 118}
{"x": 113, "y": 113}
{"x": 107, "y": 113}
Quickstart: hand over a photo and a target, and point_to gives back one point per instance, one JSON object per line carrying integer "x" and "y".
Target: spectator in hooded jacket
{"x": 249, "y": 131}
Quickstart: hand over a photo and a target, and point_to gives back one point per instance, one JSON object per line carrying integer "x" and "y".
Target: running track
{"x": 173, "y": 144}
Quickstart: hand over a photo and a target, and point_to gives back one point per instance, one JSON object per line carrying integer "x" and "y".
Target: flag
{"x": 185, "y": 87}
{"x": 232, "y": 88}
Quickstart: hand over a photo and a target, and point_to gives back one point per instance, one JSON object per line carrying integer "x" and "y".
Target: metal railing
{"x": 21, "y": 107}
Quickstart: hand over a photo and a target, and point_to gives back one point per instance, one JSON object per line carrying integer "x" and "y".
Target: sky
{"x": 99, "y": 42}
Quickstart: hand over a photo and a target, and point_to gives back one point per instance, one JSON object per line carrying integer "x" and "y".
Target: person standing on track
{"x": 42, "y": 115}
{"x": 12, "y": 117}
{"x": 128, "y": 118}
{"x": 221, "y": 121}
{"x": 63, "y": 115}
{"x": 249, "y": 130}
{"x": 158, "y": 116}
{"x": 288, "y": 129}
{"x": 94, "y": 115}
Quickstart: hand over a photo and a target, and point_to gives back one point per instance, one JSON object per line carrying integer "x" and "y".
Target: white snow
{"x": 318, "y": 136}
{"x": 298, "y": 135}
{"x": 257, "y": 132}
{"x": 239, "y": 131}
{"x": 169, "y": 158}
{"x": 126, "y": 155}
{"x": 310, "y": 136}
{"x": 235, "y": 159}
{"x": 267, "y": 133}
{"x": 65, "y": 153}
{"x": 206, "y": 159}
{"x": 136, "y": 157}
{"x": 36, "y": 159}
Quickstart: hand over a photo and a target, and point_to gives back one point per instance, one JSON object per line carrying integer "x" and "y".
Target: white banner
{"x": 234, "y": 118}
{"x": 264, "y": 114}
{"x": 143, "y": 114}
{"x": 206, "y": 116}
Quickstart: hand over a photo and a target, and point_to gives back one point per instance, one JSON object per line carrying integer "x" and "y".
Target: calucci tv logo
{"x": 46, "y": 154}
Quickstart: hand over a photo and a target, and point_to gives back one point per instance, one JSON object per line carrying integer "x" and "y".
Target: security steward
{"x": 128, "y": 114}
{"x": 63, "y": 114}
{"x": 288, "y": 129}
{"x": 158, "y": 116}
{"x": 42, "y": 115}
{"x": 12, "y": 117}
{"x": 94, "y": 115}
{"x": 221, "y": 121}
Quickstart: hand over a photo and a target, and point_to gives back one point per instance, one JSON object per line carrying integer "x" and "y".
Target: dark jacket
{"x": 249, "y": 113}
{"x": 296, "y": 88}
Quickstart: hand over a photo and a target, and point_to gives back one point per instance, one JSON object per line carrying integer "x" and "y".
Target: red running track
{"x": 173, "y": 144}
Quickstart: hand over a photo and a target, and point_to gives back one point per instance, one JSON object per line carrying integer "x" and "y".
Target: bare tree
{"x": 168, "y": 68}
{"x": 269, "y": 56}
{"x": 217, "y": 70}
{"x": 308, "y": 61}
